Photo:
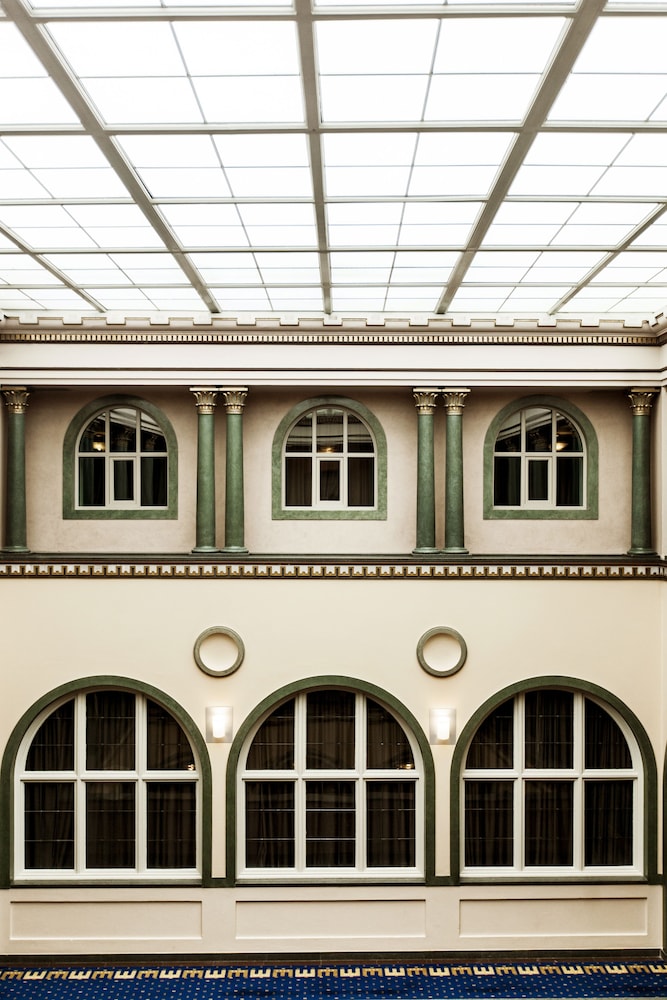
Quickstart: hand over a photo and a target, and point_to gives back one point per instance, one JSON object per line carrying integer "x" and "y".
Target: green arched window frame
{"x": 649, "y": 774}
{"x": 375, "y": 513}
{"x": 83, "y": 686}
{"x": 587, "y": 512}
{"x": 405, "y": 718}
{"x": 70, "y": 444}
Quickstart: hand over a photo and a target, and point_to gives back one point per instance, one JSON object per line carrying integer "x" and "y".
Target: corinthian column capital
{"x": 425, "y": 400}
{"x": 16, "y": 399}
{"x": 234, "y": 397}
{"x": 454, "y": 400}
{"x": 641, "y": 401}
{"x": 205, "y": 399}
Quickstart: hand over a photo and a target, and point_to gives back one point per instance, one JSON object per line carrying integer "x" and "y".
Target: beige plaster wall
{"x": 51, "y": 411}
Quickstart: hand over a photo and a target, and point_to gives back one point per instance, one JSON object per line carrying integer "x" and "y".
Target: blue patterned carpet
{"x": 321, "y": 981}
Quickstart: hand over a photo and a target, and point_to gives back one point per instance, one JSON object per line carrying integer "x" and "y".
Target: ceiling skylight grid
{"x": 352, "y": 157}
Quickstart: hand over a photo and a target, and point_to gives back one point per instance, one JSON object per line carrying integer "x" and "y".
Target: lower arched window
{"x": 331, "y": 783}
{"x": 107, "y": 786}
{"x": 552, "y": 784}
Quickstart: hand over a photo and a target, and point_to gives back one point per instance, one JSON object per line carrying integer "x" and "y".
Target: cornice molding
{"x": 412, "y": 331}
{"x": 327, "y": 569}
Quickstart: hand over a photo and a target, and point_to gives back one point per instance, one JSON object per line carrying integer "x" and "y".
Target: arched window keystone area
{"x": 329, "y": 461}
{"x": 552, "y": 785}
{"x": 331, "y": 785}
{"x": 120, "y": 461}
{"x": 541, "y": 461}
{"x": 107, "y": 785}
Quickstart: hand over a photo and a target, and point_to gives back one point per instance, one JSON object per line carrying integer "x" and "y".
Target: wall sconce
{"x": 442, "y": 726}
{"x": 219, "y": 725}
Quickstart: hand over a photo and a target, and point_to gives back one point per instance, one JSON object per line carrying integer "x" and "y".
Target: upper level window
{"x": 552, "y": 783}
{"x": 331, "y": 785}
{"x": 329, "y": 461}
{"x": 541, "y": 461}
{"x": 107, "y": 786}
{"x": 120, "y": 460}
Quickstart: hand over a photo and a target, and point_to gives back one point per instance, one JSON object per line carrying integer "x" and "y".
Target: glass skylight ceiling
{"x": 346, "y": 158}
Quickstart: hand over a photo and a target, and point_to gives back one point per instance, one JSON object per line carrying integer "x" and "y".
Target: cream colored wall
{"x": 50, "y": 413}
{"x": 605, "y": 632}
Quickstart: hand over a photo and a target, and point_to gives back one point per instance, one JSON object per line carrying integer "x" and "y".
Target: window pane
{"x": 94, "y": 436}
{"x": 171, "y": 812}
{"x": 361, "y": 482}
{"x": 168, "y": 747}
{"x": 387, "y": 745}
{"x": 489, "y": 824}
{"x": 358, "y": 435}
{"x": 269, "y": 824}
{"x": 330, "y": 824}
{"x": 493, "y": 743}
{"x": 330, "y": 730}
{"x": 52, "y": 749}
{"x": 549, "y": 729}
{"x": 152, "y": 438}
{"x": 330, "y": 480}
{"x": 567, "y": 435}
{"x": 273, "y": 746}
{"x": 509, "y": 436}
{"x": 606, "y": 745}
{"x": 154, "y": 482}
{"x": 49, "y": 825}
{"x": 538, "y": 480}
{"x": 390, "y": 818}
{"x": 569, "y": 481}
{"x": 92, "y": 490}
{"x": 110, "y": 824}
{"x": 301, "y": 436}
{"x": 123, "y": 480}
{"x": 608, "y": 823}
{"x": 123, "y": 429}
{"x": 298, "y": 482}
{"x": 538, "y": 429}
{"x": 507, "y": 481}
{"x": 110, "y": 731}
{"x": 329, "y": 428}
{"x": 549, "y": 838}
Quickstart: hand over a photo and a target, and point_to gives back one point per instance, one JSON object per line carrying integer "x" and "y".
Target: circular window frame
{"x": 452, "y": 633}
{"x": 231, "y": 634}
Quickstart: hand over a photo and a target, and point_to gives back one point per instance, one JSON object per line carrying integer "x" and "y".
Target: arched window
{"x": 552, "y": 783}
{"x": 329, "y": 460}
{"x": 107, "y": 785}
{"x": 541, "y": 461}
{"x": 330, "y": 783}
{"x": 120, "y": 461}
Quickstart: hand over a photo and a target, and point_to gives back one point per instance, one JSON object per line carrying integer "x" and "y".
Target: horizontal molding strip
{"x": 327, "y": 570}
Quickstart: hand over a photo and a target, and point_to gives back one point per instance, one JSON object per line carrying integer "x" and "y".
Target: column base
{"x": 239, "y": 549}
{"x": 455, "y": 550}
{"x": 204, "y": 548}
{"x": 15, "y": 548}
{"x": 424, "y": 550}
{"x": 642, "y": 552}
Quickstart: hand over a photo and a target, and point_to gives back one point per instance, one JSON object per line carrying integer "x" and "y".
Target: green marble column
{"x": 15, "y": 505}
{"x": 425, "y": 401}
{"x": 234, "y": 501}
{"x": 454, "y": 535}
{"x": 641, "y": 401}
{"x": 205, "y": 401}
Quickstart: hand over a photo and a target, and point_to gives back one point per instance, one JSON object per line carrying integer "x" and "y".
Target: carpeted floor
{"x": 344, "y": 980}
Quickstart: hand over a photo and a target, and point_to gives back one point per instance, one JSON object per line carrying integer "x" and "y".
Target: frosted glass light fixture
{"x": 219, "y": 724}
{"x": 442, "y": 726}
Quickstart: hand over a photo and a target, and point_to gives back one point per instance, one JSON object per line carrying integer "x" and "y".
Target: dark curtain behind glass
{"x": 110, "y": 824}
{"x": 493, "y": 743}
{"x": 330, "y": 824}
{"x": 549, "y": 721}
{"x": 171, "y": 815}
{"x": 390, "y": 824}
{"x": 273, "y": 746}
{"x": 608, "y": 822}
{"x": 549, "y": 823}
{"x": 489, "y": 824}
{"x": 330, "y": 730}
{"x": 387, "y": 745}
{"x": 110, "y": 731}
{"x": 168, "y": 747}
{"x": 49, "y": 825}
{"x": 269, "y": 816}
{"x": 52, "y": 749}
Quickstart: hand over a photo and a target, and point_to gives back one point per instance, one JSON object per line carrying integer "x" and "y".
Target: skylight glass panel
{"x": 143, "y": 99}
{"x": 591, "y": 235}
{"x": 519, "y": 236}
{"x": 33, "y": 102}
{"x": 556, "y": 180}
{"x": 640, "y": 150}
{"x": 201, "y": 215}
{"x": 270, "y": 182}
{"x": 373, "y": 98}
{"x": 239, "y": 48}
{"x": 537, "y": 212}
{"x": 620, "y": 181}
{"x": 185, "y": 182}
{"x": 56, "y": 151}
{"x": 635, "y": 43}
{"x": 18, "y": 58}
{"x": 462, "y": 148}
{"x": 480, "y": 97}
{"x": 98, "y": 182}
{"x": 492, "y": 44}
{"x": 470, "y": 180}
{"x": 114, "y": 49}
{"x": 376, "y": 47}
{"x": 20, "y": 184}
{"x": 603, "y": 96}
{"x": 562, "y": 267}
{"x": 275, "y": 150}
{"x": 412, "y": 299}
{"x": 653, "y": 236}
{"x": 228, "y": 268}
{"x": 590, "y": 148}
{"x": 250, "y": 98}
{"x": 169, "y": 151}
{"x": 357, "y": 300}
{"x": 367, "y": 149}
{"x": 382, "y": 181}
{"x": 243, "y": 299}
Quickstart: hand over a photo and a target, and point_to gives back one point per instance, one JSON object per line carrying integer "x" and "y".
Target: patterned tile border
{"x": 326, "y": 570}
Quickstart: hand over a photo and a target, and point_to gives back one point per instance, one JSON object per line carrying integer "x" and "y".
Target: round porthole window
{"x": 219, "y": 651}
{"x": 441, "y": 651}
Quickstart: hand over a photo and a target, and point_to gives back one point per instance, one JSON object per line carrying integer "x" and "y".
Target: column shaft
{"x": 205, "y": 528}
{"x": 425, "y": 403}
{"x": 454, "y": 533}
{"x": 641, "y": 540}
{"x": 15, "y": 508}
{"x": 234, "y": 491}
